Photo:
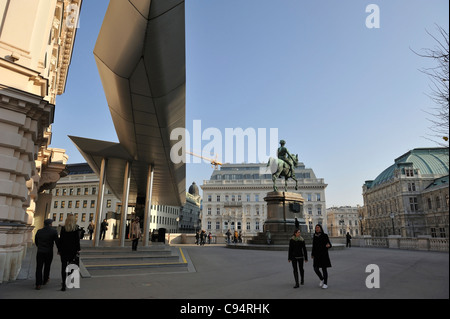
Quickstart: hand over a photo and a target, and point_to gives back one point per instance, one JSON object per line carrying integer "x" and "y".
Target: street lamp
{"x": 392, "y": 218}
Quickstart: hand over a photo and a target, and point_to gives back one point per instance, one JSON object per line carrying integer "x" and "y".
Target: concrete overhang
{"x": 140, "y": 55}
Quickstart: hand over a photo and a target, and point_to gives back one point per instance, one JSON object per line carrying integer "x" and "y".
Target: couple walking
{"x": 68, "y": 245}
{"x": 298, "y": 255}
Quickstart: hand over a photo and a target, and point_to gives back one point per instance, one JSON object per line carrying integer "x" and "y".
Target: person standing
{"x": 297, "y": 255}
{"x": 69, "y": 246}
{"x": 103, "y": 229}
{"x": 44, "y": 240}
{"x": 349, "y": 240}
{"x": 91, "y": 228}
{"x": 135, "y": 233}
{"x": 319, "y": 253}
{"x": 268, "y": 237}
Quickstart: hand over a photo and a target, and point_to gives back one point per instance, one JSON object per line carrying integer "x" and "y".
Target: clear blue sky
{"x": 346, "y": 98}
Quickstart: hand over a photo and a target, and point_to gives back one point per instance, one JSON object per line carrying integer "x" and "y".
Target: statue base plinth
{"x": 281, "y": 218}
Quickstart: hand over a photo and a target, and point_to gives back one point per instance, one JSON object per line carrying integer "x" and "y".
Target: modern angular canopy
{"x": 140, "y": 55}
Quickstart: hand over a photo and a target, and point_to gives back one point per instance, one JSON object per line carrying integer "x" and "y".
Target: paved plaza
{"x": 217, "y": 272}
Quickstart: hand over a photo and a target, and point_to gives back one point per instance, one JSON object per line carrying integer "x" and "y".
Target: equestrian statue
{"x": 283, "y": 166}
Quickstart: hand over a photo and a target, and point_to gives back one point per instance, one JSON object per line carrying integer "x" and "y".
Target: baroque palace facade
{"x": 409, "y": 198}
{"x": 36, "y": 43}
{"x": 233, "y": 198}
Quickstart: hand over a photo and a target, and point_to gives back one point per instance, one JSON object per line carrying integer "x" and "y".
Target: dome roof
{"x": 429, "y": 161}
{"x": 193, "y": 189}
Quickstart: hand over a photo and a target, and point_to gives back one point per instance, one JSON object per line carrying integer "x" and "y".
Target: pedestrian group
{"x": 297, "y": 255}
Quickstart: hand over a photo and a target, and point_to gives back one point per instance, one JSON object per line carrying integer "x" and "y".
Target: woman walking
{"x": 297, "y": 254}
{"x": 69, "y": 246}
{"x": 320, "y": 246}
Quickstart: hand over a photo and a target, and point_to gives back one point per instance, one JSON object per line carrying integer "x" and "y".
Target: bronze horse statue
{"x": 280, "y": 168}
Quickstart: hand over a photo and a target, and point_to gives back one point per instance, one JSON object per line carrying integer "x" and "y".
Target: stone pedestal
{"x": 282, "y": 210}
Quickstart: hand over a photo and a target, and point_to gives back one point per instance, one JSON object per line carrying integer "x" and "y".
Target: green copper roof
{"x": 429, "y": 161}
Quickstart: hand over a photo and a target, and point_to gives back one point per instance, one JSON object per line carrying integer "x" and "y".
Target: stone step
{"x": 109, "y": 257}
{"x": 121, "y": 259}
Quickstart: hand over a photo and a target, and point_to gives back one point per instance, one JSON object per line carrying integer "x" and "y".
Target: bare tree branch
{"x": 439, "y": 86}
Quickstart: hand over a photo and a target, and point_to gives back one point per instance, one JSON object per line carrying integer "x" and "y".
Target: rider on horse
{"x": 284, "y": 155}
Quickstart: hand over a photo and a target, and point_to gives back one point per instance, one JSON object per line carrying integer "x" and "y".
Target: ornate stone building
{"x": 410, "y": 197}
{"x": 36, "y": 43}
{"x": 233, "y": 198}
{"x": 343, "y": 219}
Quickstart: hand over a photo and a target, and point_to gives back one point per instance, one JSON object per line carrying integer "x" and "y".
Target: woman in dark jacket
{"x": 320, "y": 246}
{"x": 297, "y": 253}
{"x": 69, "y": 246}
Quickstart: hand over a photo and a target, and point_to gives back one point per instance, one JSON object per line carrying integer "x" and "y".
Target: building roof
{"x": 441, "y": 181}
{"x": 428, "y": 161}
{"x": 140, "y": 55}
{"x": 79, "y": 168}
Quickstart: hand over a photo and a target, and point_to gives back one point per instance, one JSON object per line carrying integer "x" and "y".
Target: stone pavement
{"x": 219, "y": 273}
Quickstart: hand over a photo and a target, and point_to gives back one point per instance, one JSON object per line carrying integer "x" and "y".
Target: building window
{"x": 77, "y": 204}
{"x": 86, "y": 191}
{"x": 248, "y": 197}
{"x": 108, "y": 203}
{"x": 429, "y": 203}
{"x": 257, "y": 225}
{"x": 83, "y": 217}
{"x": 84, "y": 203}
{"x": 94, "y": 190}
{"x": 239, "y": 198}
{"x": 57, "y": 192}
{"x": 433, "y": 232}
{"x": 218, "y": 198}
{"x": 55, "y": 204}
{"x": 92, "y": 203}
{"x": 61, "y": 217}
{"x": 69, "y": 204}
{"x": 218, "y": 211}
{"x": 217, "y": 225}
{"x": 71, "y": 191}
{"x": 78, "y": 191}
{"x": 256, "y": 198}
{"x": 209, "y": 225}
{"x": 318, "y": 197}
{"x": 248, "y": 225}
{"x": 411, "y": 187}
{"x": 309, "y": 197}
{"x": 438, "y": 202}
{"x": 64, "y": 192}
{"x": 63, "y": 204}
{"x": 209, "y": 198}
{"x": 409, "y": 172}
{"x": 413, "y": 206}
{"x": 209, "y": 210}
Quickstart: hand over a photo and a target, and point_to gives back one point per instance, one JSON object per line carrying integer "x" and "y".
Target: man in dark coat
{"x": 44, "y": 240}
